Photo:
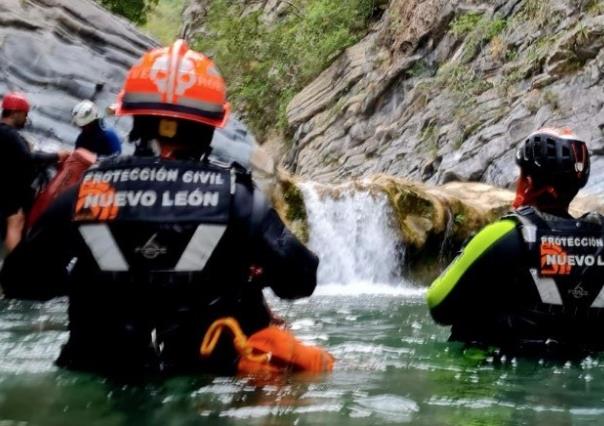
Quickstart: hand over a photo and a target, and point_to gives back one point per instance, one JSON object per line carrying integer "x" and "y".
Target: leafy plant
{"x": 484, "y": 31}
{"x": 164, "y": 21}
{"x": 265, "y": 65}
{"x": 466, "y": 23}
{"x": 134, "y": 10}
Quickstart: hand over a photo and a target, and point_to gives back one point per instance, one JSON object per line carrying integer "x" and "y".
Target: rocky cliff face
{"x": 444, "y": 90}
{"x": 196, "y": 12}
{"x": 59, "y": 52}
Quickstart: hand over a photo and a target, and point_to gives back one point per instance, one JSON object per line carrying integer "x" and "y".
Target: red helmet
{"x": 15, "y": 101}
{"x": 175, "y": 82}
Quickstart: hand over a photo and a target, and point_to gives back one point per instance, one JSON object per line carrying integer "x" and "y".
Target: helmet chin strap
{"x": 157, "y": 149}
{"x": 176, "y": 152}
{"x": 546, "y": 198}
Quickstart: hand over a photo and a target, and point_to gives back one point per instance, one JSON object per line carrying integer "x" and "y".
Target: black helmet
{"x": 555, "y": 156}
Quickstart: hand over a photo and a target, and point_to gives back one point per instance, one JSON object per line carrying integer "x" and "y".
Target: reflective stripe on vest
{"x": 547, "y": 288}
{"x": 528, "y": 229}
{"x": 599, "y": 301}
{"x": 200, "y": 248}
{"x": 105, "y": 250}
{"x": 109, "y": 257}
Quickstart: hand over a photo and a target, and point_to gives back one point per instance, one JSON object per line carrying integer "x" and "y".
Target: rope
{"x": 210, "y": 340}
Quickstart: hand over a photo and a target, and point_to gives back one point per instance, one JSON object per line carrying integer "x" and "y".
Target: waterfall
{"x": 351, "y": 231}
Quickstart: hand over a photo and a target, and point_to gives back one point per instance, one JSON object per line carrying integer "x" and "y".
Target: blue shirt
{"x": 99, "y": 139}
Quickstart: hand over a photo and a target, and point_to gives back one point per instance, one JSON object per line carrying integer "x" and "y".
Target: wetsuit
{"x": 150, "y": 252}
{"x": 527, "y": 281}
{"x": 19, "y": 167}
{"x": 101, "y": 140}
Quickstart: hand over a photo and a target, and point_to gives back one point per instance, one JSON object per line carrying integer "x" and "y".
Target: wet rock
{"x": 422, "y": 102}
{"x": 60, "y": 51}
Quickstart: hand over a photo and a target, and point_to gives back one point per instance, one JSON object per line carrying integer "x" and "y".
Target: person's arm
{"x": 469, "y": 285}
{"x": 14, "y": 230}
{"x": 42, "y": 158}
{"x": 18, "y": 171}
{"x": 288, "y": 267}
{"x": 36, "y": 268}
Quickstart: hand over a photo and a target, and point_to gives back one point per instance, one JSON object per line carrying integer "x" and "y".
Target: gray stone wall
{"x": 61, "y": 51}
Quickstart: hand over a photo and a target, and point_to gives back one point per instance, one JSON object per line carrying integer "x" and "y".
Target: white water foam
{"x": 353, "y": 235}
{"x": 362, "y": 288}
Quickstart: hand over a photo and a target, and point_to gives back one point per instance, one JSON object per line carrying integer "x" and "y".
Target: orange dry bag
{"x": 69, "y": 174}
{"x": 271, "y": 350}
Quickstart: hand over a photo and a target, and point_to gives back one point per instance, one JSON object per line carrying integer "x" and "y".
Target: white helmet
{"x": 84, "y": 113}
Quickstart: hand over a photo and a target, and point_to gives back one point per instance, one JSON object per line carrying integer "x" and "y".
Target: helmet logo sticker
{"x": 161, "y": 75}
{"x": 186, "y": 77}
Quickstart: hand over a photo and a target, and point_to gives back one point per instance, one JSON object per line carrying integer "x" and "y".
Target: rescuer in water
{"x": 19, "y": 168}
{"x": 95, "y": 136}
{"x": 153, "y": 250}
{"x": 534, "y": 279}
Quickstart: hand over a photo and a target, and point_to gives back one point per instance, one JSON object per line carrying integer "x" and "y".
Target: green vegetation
{"x": 134, "y": 10}
{"x": 462, "y": 80}
{"x": 551, "y": 98}
{"x": 295, "y": 209}
{"x": 478, "y": 29}
{"x": 165, "y": 20}
{"x": 265, "y": 64}
{"x": 421, "y": 68}
{"x": 540, "y": 13}
{"x": 594, "y": 7}
{"x": 465, "y": 24}
{"x": 429, "y": 138}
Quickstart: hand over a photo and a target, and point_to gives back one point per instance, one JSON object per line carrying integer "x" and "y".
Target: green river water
{"x": 394, "y": 366}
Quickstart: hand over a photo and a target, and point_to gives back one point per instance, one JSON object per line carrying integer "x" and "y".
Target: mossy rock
{"x": 288, "y": 201}
{"x": 417, "y": 213}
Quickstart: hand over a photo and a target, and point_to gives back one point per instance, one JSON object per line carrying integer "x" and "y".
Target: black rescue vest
{"x": 148, "y": 215}
{"x": 566, "y": 261}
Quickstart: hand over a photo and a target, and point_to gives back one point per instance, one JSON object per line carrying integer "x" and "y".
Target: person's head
{"x": 84, "y": 113}
{"x": 177, "y": 98}
{"x": 554, "y": 166}
{"x": 15, "y": 108}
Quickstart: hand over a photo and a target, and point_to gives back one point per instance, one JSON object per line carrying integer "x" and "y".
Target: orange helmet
{"x": 176, "y": 82}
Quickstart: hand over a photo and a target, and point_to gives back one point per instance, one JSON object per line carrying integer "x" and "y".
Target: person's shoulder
{"x": 10, "y": 133}
{"x": 111, "y": 132}
{"x": 12, "y": 140}
{"x": 492, "y": 233}
{"x": 593, "y": 217}
{"x": 243, "y": 177}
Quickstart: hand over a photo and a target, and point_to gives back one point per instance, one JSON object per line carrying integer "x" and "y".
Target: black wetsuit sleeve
{"x": 289, "y": 268}
{"x": 17, "y": 173}
{"x": 19, "y": 167}
{"x": 44, "y": 159}
{"x": 37, "y": 268}
{"x": 79, "y": 143}
{"x": 482, "y": 278}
